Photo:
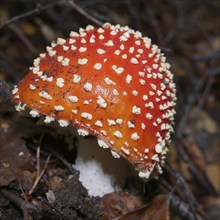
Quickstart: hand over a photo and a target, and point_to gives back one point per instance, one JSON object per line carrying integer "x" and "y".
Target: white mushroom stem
{"x": 100, "y": 172}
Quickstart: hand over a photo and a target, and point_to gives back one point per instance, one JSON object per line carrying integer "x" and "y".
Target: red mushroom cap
{"x": 110, "y": 82}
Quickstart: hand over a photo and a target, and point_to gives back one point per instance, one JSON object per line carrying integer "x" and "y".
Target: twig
{"x": 38, "y": 160}
{"x": 153, "y": 22}
{"x": 134, "y": 14}
{"x": 190, "y": 208}
{"x": 38, "y": 9}
{"x": 181, "y": 19}
{"x": 24, "y": 205}
{"x": 83, "y": 12}
{"x": 208, "y": 86}
{"x": 206, "y": 93}
{"x": 38, "y": 152}
{"x": 197, "y": 175}
{"x": 24, "y": 39}
{"x": 191, "y": 100}
{"x": 66, "y": 163}
{"x": 189, "y": 195}
{"x": 39, "y": 177}
{"x": 181, "y": 208}
{"x": 177, "y": 204}
{"x": 60, "y": 214}
{"x": 5, "y": 93}
{"x": 21, "y": 188}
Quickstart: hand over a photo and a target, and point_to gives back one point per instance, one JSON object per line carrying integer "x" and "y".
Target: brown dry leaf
{"x": 213, "y": 172}
{"x": 55, "y": 182}
{"x": 158, "y": 209}
{"x": 29, "y": 29}
{"x": 26, "y": 179}
{"x": 213, "y": 168}
{"x": 117, "y": 204}
{"x": 14, "y": 156}
{"x": 122, "y": 206}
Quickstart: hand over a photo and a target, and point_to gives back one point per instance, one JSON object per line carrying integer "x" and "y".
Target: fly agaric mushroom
{"x": 110, "y": 82}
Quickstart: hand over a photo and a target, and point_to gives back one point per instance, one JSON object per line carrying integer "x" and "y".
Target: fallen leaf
{"x": 117, "y": 204}
{"x": 14, "y": 156}
{"x": 213, "y": 172}
{"x": 158, "y": 209}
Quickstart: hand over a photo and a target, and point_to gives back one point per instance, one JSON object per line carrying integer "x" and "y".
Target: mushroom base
{"x": 100, "y": 172}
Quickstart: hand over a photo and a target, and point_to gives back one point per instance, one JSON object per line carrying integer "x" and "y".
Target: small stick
{"x": 24, "y": 39}
{"x": 83, "y": 12}
{"x": 39, "y": 177}
{"x": 65, "y": 162}
{"x": 22, "y": 190}
{"x": 24, "y": 205}
{"x": 29, "y": 13}
{"x": 38, "y": 160}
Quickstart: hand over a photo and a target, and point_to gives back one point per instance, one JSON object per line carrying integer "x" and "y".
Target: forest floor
{"x": 37, "y": 180}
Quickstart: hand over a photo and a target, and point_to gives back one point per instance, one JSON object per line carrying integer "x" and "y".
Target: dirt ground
{"x": 37, "y": 180}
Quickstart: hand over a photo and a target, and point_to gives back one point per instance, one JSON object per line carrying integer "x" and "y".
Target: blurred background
{"x": 188, "y": 32}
